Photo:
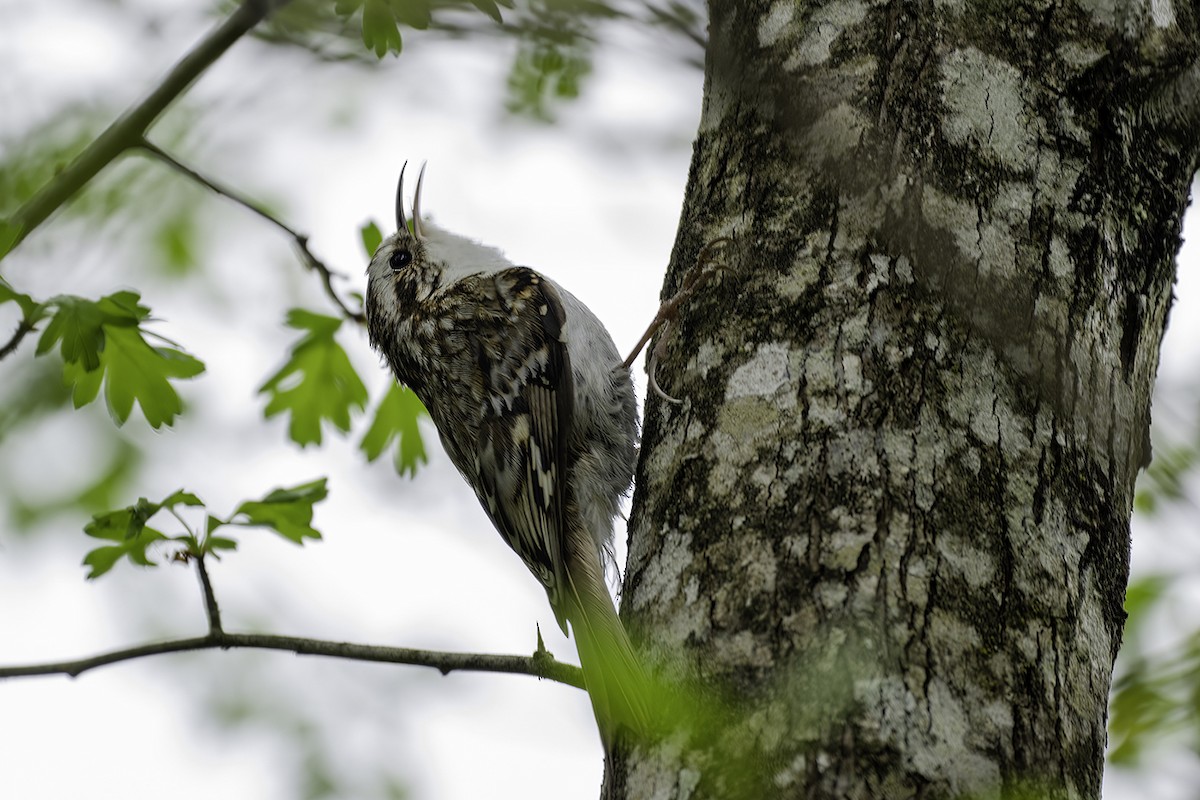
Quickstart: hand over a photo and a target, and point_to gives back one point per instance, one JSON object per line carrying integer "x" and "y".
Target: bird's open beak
{"x": 401, "y": 223}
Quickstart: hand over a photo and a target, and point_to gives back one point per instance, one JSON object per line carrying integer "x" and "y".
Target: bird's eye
{"x": 399, "y": 259}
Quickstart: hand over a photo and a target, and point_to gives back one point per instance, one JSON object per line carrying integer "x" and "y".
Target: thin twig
{"x": 127, "y": 130}
{"x": 541, "y": 665}
{"x": 24, "y": 328}
{"x": 300, "y": 240}
{"x": 211, "y": 609}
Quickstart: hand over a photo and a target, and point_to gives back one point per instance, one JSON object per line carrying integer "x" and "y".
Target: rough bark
{"x": 884, "y": 541}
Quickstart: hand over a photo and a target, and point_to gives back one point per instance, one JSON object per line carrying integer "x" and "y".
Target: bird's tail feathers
{"x": 621, "y": 693}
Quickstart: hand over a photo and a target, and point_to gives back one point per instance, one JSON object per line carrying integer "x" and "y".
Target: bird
{"x": 536, "y": 410}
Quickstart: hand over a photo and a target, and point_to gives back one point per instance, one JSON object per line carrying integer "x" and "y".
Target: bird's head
{"x": 420, "y": 259}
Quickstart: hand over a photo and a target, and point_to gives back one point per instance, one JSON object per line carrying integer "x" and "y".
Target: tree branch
{"x": 540, "y": 665}
{"x": 211, "y": 609}
{"x": 127, "y": 131}
{"x": 24, "y": 328}
{"x": 300, "y": 240}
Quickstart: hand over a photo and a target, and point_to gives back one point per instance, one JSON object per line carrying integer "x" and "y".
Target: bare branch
{"x": 540, "y": 665}
{"x": 127, "y": 131}
{"x": 300, "y": 240}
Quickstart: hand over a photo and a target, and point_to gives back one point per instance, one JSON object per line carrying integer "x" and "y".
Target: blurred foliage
{"x": 253, "y": 699}
{"x": 132, "y": 194}
{"x": 545, "y": 74}
{"x": 1155, "y": 696}
{"x": 41, "y": 151}
{"x": 111, "y": 478}
{"x": 317, "y": 383}
{"x": 288, "y": 512}
{"x": 1163, "y": 481}
{"x": 177, "y": 240}
{"x": 1141, "y": 705}
{"x": 556, "y": 39}
{"x": 371, "y": 238}
{"x": 42, "y": 391}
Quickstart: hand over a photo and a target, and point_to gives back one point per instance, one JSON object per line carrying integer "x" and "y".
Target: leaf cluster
{"x": 382, "y": 19}
{"x": 288, "y": 512}
{"x": 318, "y": 385}
{"x": 103, "y": 343}
{"x": 1153, "y": 698}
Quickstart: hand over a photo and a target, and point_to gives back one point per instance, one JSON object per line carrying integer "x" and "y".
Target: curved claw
{"x": 652, "y": 368}
{"x": 708, "y": 261}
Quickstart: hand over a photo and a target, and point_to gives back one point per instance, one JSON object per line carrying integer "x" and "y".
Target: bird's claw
{"x": 706, "y": 264}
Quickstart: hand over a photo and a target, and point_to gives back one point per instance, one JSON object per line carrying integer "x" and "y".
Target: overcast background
{"x": 592, "y": 201}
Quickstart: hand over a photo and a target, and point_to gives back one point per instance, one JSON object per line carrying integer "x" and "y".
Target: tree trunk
{"x": 884, "y": 541}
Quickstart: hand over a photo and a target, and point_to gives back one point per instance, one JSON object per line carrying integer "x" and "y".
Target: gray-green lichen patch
{"x": 836, "y": 134}
{"x": 957, "y": 217}
{"x": 985, "y": 108}
{"x": 662, "y": 583}
{"x": 949, "y": 727}
{"x": 763, "y": 375}
{"x": 745, "y": 426}
{"x": 774, "y": 24}
{"x": 822, "y": 30}
{"x": 803, "y": 275}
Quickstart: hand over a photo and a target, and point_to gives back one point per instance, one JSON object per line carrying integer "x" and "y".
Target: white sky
{"x": 594, "y": 202}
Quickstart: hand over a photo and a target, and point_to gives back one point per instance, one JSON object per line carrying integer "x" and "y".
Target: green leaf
{"x": 78, "y": 328}
{"x": 102, "y": 559}
{"x": 128, "y": 528}
{"x": 346, "y": 7}
{"x": 137, "y": 371}
{"x": 396, "y": 419}
{"x": 413, "y": 13}
{"x": 85, "y": 385}
{"x": 215, "y": 543}
{"x": 490, "y": 8}
{"x": 102, "y": 340}
{"x": 379, "y": 30}
{"x": 289, "y": 512}
{"x": 182, "y": 498}
{"x": 371, "y": 238}
{"x": 30, "y": 308}
{"x": 9, "y": 233}
{"x": 317, "y": 383}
